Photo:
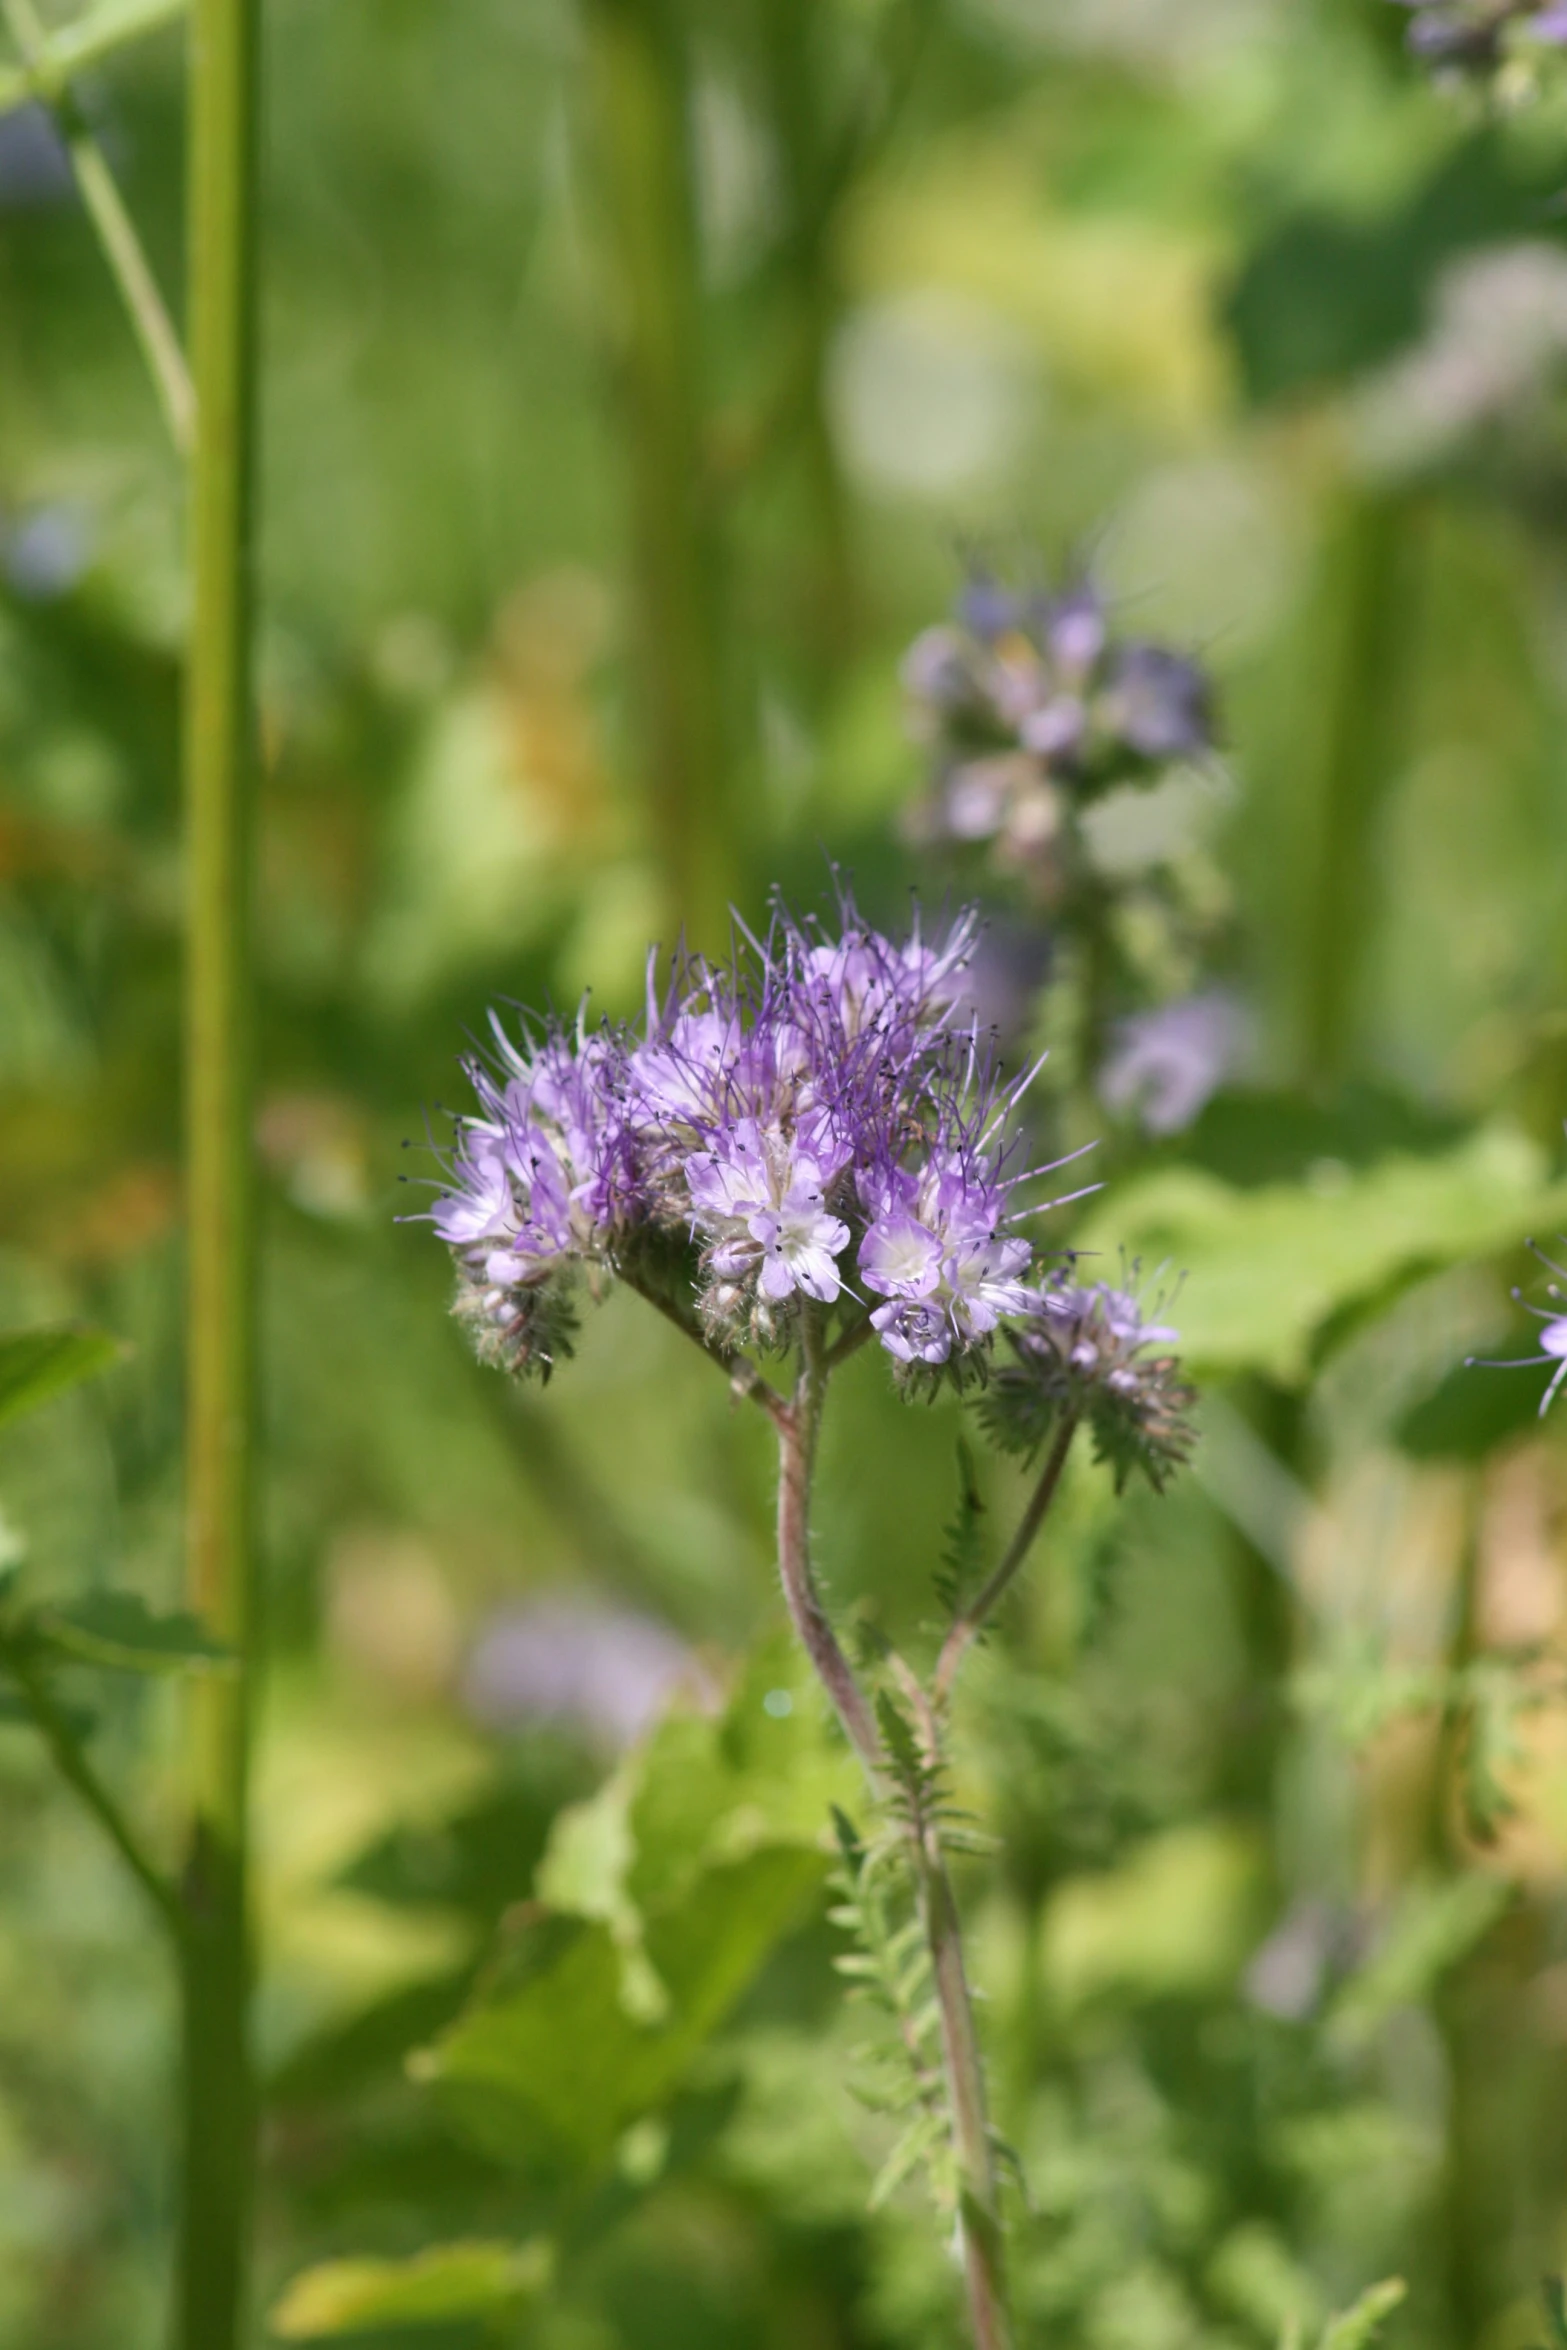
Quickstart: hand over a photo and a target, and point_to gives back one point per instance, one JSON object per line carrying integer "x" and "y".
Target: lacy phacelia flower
{"x": 1473, "y": 35}
{"x": 1086, "y": 1353}
{"x": 807, "y": 1126}
{"x": 1553, "y": 1335}
{"x": 1031, "y": 705}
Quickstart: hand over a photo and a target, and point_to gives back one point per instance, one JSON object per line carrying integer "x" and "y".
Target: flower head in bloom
{"x": 1553, "y": 1334}
{"x": 1090, "y": 1353}
{"x": 805, "y": 1128}
{"x": 1032, "y": 703}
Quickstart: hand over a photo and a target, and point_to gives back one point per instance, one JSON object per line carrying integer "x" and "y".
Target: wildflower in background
{"x": 1553, "y": 1337}
{"x": 1166, "y": 1064}
{"x": 1084, "y": 1354}
{"x": 1031, "y": 705}
{"x": 807, "y": 1125}
{"x": 1473, "y": 35}
{"x": 605, "y": 1671}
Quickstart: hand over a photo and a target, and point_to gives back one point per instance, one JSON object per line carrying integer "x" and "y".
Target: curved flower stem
{"x": 849, "y": 1342}
{"x": 979, "y": 2202}
{"x": 71, "y": 1762}
{"x": 979, "y": 2210}
{"x": 967, "y": 1626}
{"x": 797, "y": 1437}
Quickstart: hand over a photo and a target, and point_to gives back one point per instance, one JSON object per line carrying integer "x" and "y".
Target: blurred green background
{"x": 640, "y": 377}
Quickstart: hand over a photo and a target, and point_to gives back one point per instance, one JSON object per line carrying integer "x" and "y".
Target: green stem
{"x": 638, "y": 89}
{"x": 967, "y": 1626}
{"x": 979, "y": 2202}
{"x": 979, "y": 2209}
{"x": 219, "y": 2084}
{"x": 73, "y": 1766}
{"x": 122, "y": 247}
{"x": 73, "y": 48}
{"x": 798, "y": 1432}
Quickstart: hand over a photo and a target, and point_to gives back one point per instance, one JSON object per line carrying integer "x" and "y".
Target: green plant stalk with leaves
{"x": 209, "y": 407}
{"x": 219, "y": 2083}
{"x": 900, "y": 1740}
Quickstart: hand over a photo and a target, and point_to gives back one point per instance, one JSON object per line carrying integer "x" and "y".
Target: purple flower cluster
{"x": 1032, "y": 704}
{"x": 1475, "y": 34}
{"x": 807, "y": 1124}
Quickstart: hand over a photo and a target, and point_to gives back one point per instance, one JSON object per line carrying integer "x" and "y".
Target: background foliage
{"x": 601, "y": 500}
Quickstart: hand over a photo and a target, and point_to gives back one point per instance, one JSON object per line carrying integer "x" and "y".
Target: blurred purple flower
{"x": 35, "y": 168}
{"x": 45, "y": 553}
{"x": 1472, "y": 33}
{"x": 1166, "y": 1064}
{"x": 607, "y": 1672}
{"x": 1031, "y": 702}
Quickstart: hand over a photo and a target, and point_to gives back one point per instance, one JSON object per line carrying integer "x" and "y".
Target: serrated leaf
{"x": 449, "y": 2282}
{"x": 36, "y": 1365}
{"x": 1353, "y": 2328}
{"x": 898, "y": 1738}
{"x": 1269, "y": 1269}
{"x": 118, "y": 1630}
{"x": 917, "y": 2141}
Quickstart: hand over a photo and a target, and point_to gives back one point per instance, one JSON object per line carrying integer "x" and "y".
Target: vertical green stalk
{"x": 813, "y": 188}
{"x": 639, "y": 91}
{"x": 219, "y": 2086}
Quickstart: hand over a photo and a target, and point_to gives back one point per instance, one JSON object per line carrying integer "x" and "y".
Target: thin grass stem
{"x": 219, "y": 2079}
{"x": 122, "y": 247}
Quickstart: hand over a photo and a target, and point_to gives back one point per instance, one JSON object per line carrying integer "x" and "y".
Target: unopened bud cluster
{"x": 1090, "y": 1354}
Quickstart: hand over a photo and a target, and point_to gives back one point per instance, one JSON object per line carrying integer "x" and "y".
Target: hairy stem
{"x": 797, "y": 1439}
{"x": 979, "y": 2203}
{"x": 73, "y": 1766}
{"x": 219, "y": 2080}
{"x": 122, "y": 247}
{"x": 967, "y": 1626}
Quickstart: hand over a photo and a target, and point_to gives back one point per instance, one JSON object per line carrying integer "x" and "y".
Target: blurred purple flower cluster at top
{"x": 807, "y": 1122}
{"x": 1474, "y": 33}
{"x": 1031, "y": 704}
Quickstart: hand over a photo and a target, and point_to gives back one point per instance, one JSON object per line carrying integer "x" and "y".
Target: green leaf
{"x": 1353, "y": 2328}
{"x": 1474, "y": 1408}
{"x": 1269, "y": 1270}
{"x": 117, "y": 1629}
{"x": 475, "y": 2281}
{"x": 561, "y": 2055}
{"x": 38, "y": 1364}
{"x": 923, "y": 2135}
